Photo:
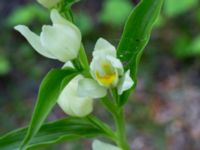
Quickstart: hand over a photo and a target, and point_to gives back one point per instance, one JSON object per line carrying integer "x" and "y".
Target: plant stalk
{"x": 120, "y": 129}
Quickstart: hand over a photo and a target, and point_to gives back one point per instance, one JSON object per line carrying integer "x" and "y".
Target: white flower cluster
{"x": 62, "y": 41}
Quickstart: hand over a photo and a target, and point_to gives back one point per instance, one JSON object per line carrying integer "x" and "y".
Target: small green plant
{"x": 110, "y": 77}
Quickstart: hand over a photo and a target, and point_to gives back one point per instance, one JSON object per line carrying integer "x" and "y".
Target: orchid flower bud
{"x": 60, "y": 41}
{"x": 98, "y": 145}
{"x": 48, "y": 3}
{"x": 72, "y": 104}
{"x": 107, "y": 72}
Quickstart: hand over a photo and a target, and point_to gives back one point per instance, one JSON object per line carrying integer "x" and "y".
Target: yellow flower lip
{"x": 109, "y": 77}
{"x": 106, "y": 80}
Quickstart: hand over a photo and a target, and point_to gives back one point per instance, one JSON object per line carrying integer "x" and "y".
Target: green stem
{"x": 120, "y": 127}
{"x": 110, "y": 134}
{"x": 111, "y": 107}
{"x": 118, "y": 115}
{"x": 77, "y": 64}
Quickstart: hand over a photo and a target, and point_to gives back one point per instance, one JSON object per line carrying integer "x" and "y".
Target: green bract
{"x": 55, "y": 132}
{"x": 49, "y": 91}
{"x": 135, "y": 37}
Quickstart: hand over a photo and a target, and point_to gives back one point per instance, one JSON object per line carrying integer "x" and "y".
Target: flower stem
{"x": 117, "y": 112}
{"x": 120, "y": 127}
{"x": 77, "y": 64}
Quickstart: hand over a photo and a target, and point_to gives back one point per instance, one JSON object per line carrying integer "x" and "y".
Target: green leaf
{"x": 64, "y": 8}
{"x": 69, "y": 3}
{"x": 47, "y": 97}
{"x": 102, "y": 126}
{"x": 52, "y": 133}
{"x": 136, "y": 35}
{"x": 83, "y": 58}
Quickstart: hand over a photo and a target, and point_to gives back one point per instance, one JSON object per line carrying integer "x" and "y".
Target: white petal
{"x": 68, "y": 64}
{"x": 61, "y": 41}
{"x": 72, "y": 104}
{"x": 64, "y": 103}
{"x": 90, "y": 88}
{"x": 116, "y": 63}
{"x": 93, "y": 66}
{"x": 98, "y": 145}
{"x": 56, "y": 18}
{"x": 81, "y": 106}
{"x": 103, "y": 47}
{"x": 34, "y": 40}
{"x": 125, "y": 83}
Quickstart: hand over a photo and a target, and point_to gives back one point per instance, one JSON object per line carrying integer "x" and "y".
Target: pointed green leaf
{"x": 83, "y": 58}
{"x": 136, "y": 35}
{"x": 64, "y": 8}
{"x": 47, "y": 97}
{"x": 52, "y": 133}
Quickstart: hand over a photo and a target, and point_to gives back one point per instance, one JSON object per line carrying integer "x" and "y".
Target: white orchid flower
{"x": 107, "y": 72}
{"x": 60, "y": 41}
{"x": 48, "y": 3}
{"x": 71, "y": 103}
{"x": 98, "y": 145}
